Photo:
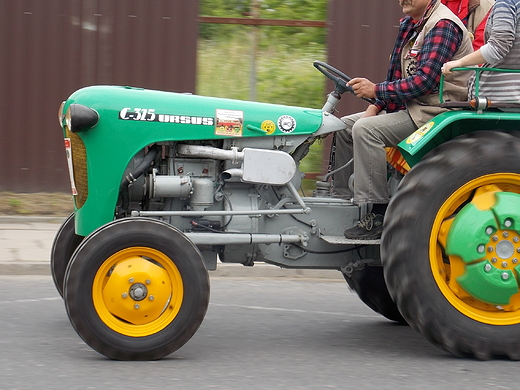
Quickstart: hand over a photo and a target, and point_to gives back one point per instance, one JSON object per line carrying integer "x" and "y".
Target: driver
{"x": 429, "y": 35}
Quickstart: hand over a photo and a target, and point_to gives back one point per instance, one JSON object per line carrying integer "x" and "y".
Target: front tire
{"x": 450, "y": 246}
{"x": 63, "y": 246}
{"x": 136, "y": 289}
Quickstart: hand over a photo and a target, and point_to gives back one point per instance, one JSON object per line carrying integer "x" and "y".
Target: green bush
{"x": 283, "y": 57}
{"x": 269, "y": 9}
{"x": 285, "y": 75}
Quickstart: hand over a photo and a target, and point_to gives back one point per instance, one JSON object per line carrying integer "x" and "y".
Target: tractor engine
{"x": 209, "y": 188}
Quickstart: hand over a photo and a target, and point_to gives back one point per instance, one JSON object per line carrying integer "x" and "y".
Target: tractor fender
{"x": 452, "y": 124}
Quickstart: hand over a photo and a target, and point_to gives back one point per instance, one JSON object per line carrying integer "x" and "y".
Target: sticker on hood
{"x": 286, "y": 123}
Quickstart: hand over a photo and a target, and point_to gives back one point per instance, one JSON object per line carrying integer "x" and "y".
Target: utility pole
{"x": 255, "y": 13}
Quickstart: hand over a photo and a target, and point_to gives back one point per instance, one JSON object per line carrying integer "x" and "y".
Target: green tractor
{"x": 166, "y": 185}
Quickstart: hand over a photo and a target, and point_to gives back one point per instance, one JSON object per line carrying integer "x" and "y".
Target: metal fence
{"x": 360, "y": 40}
{"x": 50, "y": 48}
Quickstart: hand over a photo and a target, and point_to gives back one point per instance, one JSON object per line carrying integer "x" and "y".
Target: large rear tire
{"x": 136, "y": 289}
{"x": 450, "y": 246}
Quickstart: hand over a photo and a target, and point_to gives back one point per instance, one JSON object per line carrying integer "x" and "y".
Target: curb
{"x": 31, "y": 219}
{"x": 25, "y": 268}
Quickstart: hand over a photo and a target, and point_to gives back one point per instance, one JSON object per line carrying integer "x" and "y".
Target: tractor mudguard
{"x": 451, "y": 124}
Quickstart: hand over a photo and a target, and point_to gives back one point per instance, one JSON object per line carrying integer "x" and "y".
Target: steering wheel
{"x": 340, "y": 79}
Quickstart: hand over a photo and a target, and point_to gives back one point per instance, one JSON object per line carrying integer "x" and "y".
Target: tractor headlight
{"x": 79, "y": 118}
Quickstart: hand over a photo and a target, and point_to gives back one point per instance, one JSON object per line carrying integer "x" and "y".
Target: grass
{"x": 41, "y": 203}
{"x": 284, "y": 75}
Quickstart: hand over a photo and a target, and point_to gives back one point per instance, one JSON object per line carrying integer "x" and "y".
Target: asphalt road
{"x": 258, "y": 334}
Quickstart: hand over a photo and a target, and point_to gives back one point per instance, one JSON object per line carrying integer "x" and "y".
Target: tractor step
{"x": 339, "y": 240}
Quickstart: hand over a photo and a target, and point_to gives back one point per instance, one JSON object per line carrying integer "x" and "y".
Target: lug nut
{"x": 505, "y": 275}
{"x": 515, "y": 261}
{"x": 489, "y": 230}
{"x": 148, "y": 281}
{"x": 124, "y": 295}
{"x": 151, "y": 297}
{"x": 508, "y": 223}
{"x": 481, "y": 248}
{"x": 494, "y": 260}
{"x": 487, "y": 267}
{"x": 516, "y": 239}
{"x": 495, "y": 238}
{"x": 490, "y": 249}
{"x": 136, "y": 306}
{"x": 504, "y": 264}
{"x": 131, "y": 280}
{"x": 505, "y": 234}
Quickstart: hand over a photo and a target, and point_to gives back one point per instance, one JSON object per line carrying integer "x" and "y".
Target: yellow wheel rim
{"x": 137, "y": 291}
{"x": 448, "y": 269}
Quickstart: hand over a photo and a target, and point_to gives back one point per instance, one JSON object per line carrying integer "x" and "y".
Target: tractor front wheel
{"x": 136, "y": 289}
{"x": 64, "y": 245}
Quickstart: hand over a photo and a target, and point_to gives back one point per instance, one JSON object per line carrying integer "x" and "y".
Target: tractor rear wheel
{"x": 451, "y": 246}
{"x": 136, "y": 289}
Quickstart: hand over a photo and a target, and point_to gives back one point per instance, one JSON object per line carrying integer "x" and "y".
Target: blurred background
{"x": 242, "y": 49}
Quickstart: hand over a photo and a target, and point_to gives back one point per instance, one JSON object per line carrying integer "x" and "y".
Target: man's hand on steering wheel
{"x": 362, "y": 88}
{"x": 342, "y": 82}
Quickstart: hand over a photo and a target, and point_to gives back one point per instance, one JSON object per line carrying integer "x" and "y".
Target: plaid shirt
{"x": 440, "y": 45}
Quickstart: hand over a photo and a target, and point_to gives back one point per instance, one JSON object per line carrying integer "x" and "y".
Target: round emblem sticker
{"x": 268, "y": 126}
{"x": 286, "y": 123}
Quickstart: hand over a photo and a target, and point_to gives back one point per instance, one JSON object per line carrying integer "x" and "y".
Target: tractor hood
{"x": 105, "y": 126}
{"x": 168, "y": 116}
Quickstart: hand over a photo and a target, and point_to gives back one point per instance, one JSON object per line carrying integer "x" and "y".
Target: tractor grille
{"x": 79, "y": 163}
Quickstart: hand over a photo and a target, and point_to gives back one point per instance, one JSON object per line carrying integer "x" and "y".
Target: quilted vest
{"x": 423, "y": 108}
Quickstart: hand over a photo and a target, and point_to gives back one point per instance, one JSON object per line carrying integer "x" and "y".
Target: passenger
{"x": 474, "y": 14}
{"x": 502, "y": 50}
{"x": 429, "y": 36}
{"x": 478, "y": 20}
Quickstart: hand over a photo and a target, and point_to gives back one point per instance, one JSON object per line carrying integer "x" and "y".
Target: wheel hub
{"x": 485, "y": 236}
{"x": 504, "y": 249}
{"x": 137, "y": 290}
